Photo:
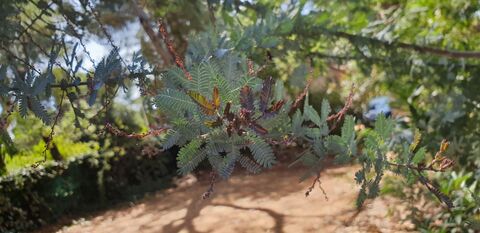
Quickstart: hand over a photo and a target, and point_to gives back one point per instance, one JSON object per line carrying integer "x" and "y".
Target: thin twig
{"x": 24, "y": 62}
{"x": 341, "y": 114}
{"x": 117, "y": 132}
{"x": 34, "y": 20}
{"x": 418, "y": 48}
{"x": 52, "y": 132}
{"x": 312, "y": 186}
{"x": 300, "y": 97}
{"x": 96, "y": 16}
{"x": 213, "y": 179}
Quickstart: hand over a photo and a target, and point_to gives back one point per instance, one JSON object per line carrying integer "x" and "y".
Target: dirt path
{"x": 273, "y": 201}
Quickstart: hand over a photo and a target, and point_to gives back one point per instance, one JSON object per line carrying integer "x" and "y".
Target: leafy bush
{"x": 34, "y": 197}
{"x": 226, "y": 100}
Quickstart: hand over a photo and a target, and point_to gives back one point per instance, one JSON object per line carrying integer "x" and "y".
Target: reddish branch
{"x": 171, "y": 48}
{"x": 213, "y": 179}
{"x": 345, "y": 108}
{"x": 300, "y": 97}
{"x": 117, "y": 132}
{"x": 251, "y": 70}
{"x": 443, "y": 164}
{"x": 312, "y": 186}
{"x": 341, "y": 114}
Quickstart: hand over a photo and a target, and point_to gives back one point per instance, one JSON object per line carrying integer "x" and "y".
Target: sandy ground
{"x": 273, "y": 201}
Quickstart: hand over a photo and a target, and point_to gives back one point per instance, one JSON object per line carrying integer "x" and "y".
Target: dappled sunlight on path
{"x": 273, "y": 201}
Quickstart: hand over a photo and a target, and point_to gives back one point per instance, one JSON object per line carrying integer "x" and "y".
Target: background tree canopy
{"x": 227, "y": 81}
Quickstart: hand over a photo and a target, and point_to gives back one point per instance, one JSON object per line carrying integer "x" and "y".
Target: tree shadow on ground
{"x": 180, "y": 209}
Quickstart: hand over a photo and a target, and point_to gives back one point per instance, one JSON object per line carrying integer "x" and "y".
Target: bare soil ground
{"x": 273, "y": 201}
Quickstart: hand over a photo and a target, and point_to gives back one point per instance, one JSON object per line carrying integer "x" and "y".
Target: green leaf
{"x": 384, "y": 127}
{"x": 299, "y": 76}
{"x": 39, "y": 110}
{"x": 249, "y": 164}
{"x": 190, "y": 156}
{"x": 312, "y": 115}
{"x": 202, "y": 78}
{"x": 262, "y": 152}
{"x": 419, "y": 156}
{"x": 171, "y": 138}
{"x": 279, "y": 90}
{"x": 228, "y": 163}
{"x": 173, "y": 100}
{"x": 269, "y": 42}
{"x": 297, "y": 121}
{"x": 286, "y": 26}
{"x": 362, "y": 197}
{"x": 335, "y": 145}
{"x": 309, "y": 159}
{"x": 416, "y": 140}
{"x": 313, "y": 133}
{"x": 360, "y": 176}
{"x": 326, "y": 109}
{"x": 175, "y": 78}
{"x": 23, "y": 105}
{"x": 348, "y": 134}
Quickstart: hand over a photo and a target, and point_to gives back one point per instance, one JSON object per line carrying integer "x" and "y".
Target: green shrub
{"x": 34, "y": 197}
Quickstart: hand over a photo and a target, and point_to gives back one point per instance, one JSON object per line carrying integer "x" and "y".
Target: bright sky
{"x": 126, "y": 39}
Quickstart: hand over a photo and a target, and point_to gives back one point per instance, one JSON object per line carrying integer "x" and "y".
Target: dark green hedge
{"x": 35, "y": 197}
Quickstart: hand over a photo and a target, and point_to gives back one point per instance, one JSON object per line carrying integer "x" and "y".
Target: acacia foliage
{"x": 218, "y": 108}
{"x": 227, "y": 115}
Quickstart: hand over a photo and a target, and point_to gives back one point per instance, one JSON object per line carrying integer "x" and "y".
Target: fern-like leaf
{"x": 384, "y": 127}
{"x": 190, "y": 156}
{"x": 173, "y": 100}
{"x": 171, "y": 138}
{"x": 38, "y": 109}
{"x": 201, "y": 76}
{"x": 250, "y": 165}
{"x": 262, "y": 152}
{"x": 23, "y": 105}
{"x": 312, "y": 115}
{"x": 348, "y": 134}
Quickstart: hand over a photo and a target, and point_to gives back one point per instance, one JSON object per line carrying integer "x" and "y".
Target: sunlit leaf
{"x": 216, "y": 98}
{"x": 206, "y": 106}
{"x": 213, "y": 124}
{"x": 416, "y": 140}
